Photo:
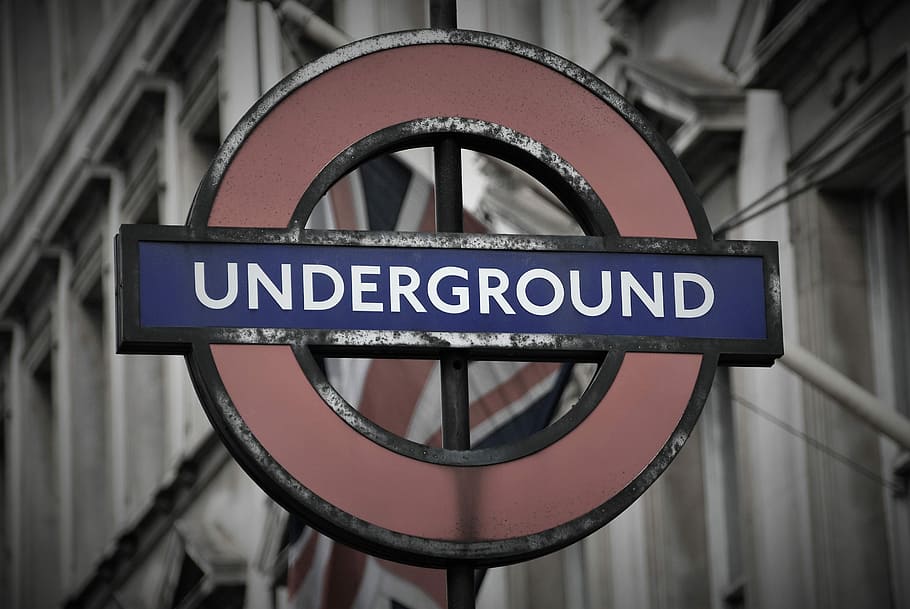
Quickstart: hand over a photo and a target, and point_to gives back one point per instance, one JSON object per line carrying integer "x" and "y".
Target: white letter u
{"x": 216, "y": 303}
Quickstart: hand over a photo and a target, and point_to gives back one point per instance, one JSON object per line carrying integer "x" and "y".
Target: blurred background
{"x": 792, "y": 118}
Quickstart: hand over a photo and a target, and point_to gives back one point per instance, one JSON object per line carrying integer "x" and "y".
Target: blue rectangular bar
{"x": 240, "y": 285}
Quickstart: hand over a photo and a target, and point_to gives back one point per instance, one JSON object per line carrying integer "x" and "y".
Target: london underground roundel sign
{"x": 247, "y": 293}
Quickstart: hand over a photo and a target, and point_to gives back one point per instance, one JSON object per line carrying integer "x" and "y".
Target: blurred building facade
{"x": 792, "y": 118}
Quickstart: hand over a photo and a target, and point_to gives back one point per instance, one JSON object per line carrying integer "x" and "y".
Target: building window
{"x": 889, "y": 261}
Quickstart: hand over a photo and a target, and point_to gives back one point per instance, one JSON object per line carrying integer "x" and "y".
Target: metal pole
{"x": 312, "y": 26}
{"x": 447, "y": 161}
{"x": 460, "y": 586}
{"x": 444, "y": 14}
{"x": 456, "y": 428}
{"x": 850, "y": 395}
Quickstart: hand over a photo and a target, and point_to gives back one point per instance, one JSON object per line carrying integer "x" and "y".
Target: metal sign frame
{"x": 134, "y": 338}
{"x": 228, "y": 377}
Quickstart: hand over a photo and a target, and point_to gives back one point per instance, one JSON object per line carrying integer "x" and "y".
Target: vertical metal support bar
{"x": 460, "y": 586}
{"x": 456, "y": 428}
{"x": 447, "y": 165}
{"x": 443, "y": 14}
{"x": 447, "y": 162}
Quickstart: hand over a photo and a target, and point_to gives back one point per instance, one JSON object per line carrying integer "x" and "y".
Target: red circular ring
{"x": 285, "y": 151}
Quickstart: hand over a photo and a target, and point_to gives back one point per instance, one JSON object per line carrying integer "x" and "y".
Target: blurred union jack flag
{"x": 508, "y": 401}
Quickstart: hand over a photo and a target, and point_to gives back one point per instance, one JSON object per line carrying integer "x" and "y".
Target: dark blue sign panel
{"x": 243, "y": 285}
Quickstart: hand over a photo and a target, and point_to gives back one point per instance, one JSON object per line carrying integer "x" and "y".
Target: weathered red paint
{"x": 563, "y": 481}
{"x": 312, "y": 125}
